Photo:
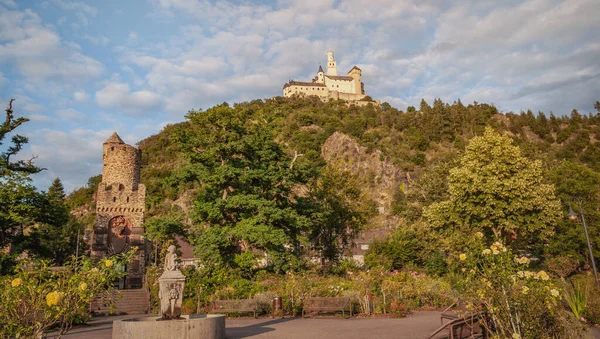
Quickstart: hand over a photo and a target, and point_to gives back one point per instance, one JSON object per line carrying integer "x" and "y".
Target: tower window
{"x": 127, "y": 199}
{"x": 114, "y": 199}
{"x": 112, "y": 148}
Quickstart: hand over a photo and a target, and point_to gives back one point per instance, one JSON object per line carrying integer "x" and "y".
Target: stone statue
{"x": 171, "y": 259}
{"x": 171, "y": 284}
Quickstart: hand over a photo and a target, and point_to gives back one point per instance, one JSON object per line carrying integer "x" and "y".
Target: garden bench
{"x": 328, "y": 304}
{"x": 468, "y": 326}
{"x": 235, "y": 306}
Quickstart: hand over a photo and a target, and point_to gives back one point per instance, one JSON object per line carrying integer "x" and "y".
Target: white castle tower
{"x": 331, "y": 67}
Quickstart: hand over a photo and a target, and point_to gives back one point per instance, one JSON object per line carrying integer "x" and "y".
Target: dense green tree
{"x": 56, "y": 191}
{"x": 340, "y": 211}
{"x": 402, "y": 247}
{"x": 576, "y": 182}
{"x": 497, "y": 191}
{"x": 244, "y": 202}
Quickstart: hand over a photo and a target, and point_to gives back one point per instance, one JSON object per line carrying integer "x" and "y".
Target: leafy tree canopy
{"x": 497, "y": 191}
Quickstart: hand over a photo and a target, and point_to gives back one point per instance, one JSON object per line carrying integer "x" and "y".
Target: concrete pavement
{"x": 418, "y": 325}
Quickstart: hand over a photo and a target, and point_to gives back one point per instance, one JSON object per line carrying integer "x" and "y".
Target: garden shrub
{"x": 519, "y": 303}
{"x": 37, "y": 297}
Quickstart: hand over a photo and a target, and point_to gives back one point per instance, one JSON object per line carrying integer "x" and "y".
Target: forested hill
{"x": 418, "y": 145}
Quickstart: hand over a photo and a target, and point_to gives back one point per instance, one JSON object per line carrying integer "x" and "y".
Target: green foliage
{"x": 37, "y": 297}
{"x": 519, "y": 303}
{"x": 575, "y": 181}
{"x": 84, "y": 195}
{"x": 499, "y": 192}
{"x": 8, "y": 167}
{"x": 338, "y": 212}
{"x": 576, "y": 298}
{"x": 399, "y": 249}
{"x": 244, "y": 200}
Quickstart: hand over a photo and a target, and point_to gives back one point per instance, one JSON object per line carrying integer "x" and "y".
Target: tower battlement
{"x": 120, "y": 207}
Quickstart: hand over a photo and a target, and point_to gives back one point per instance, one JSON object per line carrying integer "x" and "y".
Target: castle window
{"x": 112, "y": 148}
{"x": 127, "y": 199}
{"x": 114, "y": 199}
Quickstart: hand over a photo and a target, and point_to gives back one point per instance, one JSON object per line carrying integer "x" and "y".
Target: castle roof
{"x": 354, "y": 68}
{"x": 300, "y": 83}
{"x": 320, "y": 69}
{"x": 339, "y": 77}
{"x": 114, "y": 139}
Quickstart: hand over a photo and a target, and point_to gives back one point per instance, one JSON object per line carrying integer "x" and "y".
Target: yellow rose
{"x": 479, "y": 235}
{"x": 522, "y": 260}
{"x": 554, "y": 292}
{"x": 487, "y": 251}
{"x": 462, "y": 257}
{"x": 83, "y": 286}
{"x": 16, "y": 282}
{"x": 53, "y": 298}
{"x": 516, "y": 336}
{"x": 542, "y": 275}
{"x": 108, "y": 263}
{"x": 495, "y": 251}
{"x": 525, "y": 290}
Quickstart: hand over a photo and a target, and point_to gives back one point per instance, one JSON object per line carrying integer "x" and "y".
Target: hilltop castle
{"x": 120, "y": 207}
{"x": 330, "y": 85}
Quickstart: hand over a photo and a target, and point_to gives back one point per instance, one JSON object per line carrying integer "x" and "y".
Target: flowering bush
{"x": 38, "y": 297}
{"x": 518, "y": 303}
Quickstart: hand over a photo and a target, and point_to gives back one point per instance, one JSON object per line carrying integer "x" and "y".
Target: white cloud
{"x": 118, "y": 95}
{"x": 76, "y": 6}
{"x": 99, "y": 40}
{"x": 73, "y": 156}
{"x": 39, "y": 118}
{"x": 38, "y": 52}
{"x": 80, "y": 96}
{"x": 70, "y": 114}
{"x": 8, "y": 3}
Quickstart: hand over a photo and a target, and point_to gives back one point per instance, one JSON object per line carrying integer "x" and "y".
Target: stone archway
{"x": 119, "y": 232}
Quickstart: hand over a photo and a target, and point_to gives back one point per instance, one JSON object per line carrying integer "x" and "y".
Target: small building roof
{"x": 360, "y": 70}
{"x": 320, "y": 69}
{"x": 300, "y": 83}
{"x": 114, "y": 139}
{"x": 339, "y": 77}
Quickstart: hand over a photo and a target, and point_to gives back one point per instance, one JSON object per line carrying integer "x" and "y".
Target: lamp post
{"x": 574, "y": 216}
{"x": 85, "y": 239}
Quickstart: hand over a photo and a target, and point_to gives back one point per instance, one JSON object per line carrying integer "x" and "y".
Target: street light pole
{"x": 77, "y": 248}
{"x": 572, "y": 215}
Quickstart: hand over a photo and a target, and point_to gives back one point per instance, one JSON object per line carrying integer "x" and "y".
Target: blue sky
{"x": 83, "y": 69}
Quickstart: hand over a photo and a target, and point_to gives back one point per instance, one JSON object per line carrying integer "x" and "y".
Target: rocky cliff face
{"x": 379, "y": 176}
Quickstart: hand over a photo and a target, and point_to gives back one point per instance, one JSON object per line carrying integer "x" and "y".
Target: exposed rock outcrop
{"x": 380, "y": 176}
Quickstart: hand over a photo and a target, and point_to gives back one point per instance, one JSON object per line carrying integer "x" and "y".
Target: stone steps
{"x": 123, "y": 302}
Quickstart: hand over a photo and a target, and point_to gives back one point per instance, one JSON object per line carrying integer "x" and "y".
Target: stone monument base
{"x": 193, "y": 326}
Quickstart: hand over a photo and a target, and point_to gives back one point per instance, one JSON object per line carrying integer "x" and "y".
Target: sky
{"x": 80, "y": 70}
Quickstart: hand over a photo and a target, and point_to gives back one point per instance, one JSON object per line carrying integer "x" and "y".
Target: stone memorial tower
{"x": 120, "y": 206}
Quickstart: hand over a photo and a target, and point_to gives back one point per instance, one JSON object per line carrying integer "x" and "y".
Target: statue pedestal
{"x": 171, "y": 294}
{"x": 195, "y": 326}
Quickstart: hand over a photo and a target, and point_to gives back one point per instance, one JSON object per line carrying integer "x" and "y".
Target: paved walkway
{"x": 418, "y": 325}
